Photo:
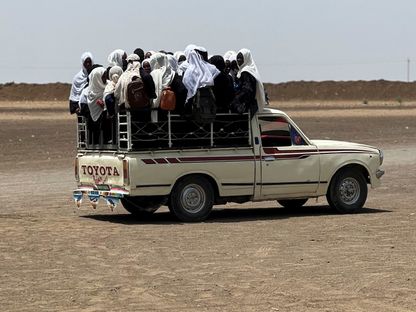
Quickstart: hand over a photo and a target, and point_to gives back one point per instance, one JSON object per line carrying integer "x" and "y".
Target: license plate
{"x": 103, "y": 187}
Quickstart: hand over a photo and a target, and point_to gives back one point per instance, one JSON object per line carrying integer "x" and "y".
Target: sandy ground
{"x": 251, "y": 257}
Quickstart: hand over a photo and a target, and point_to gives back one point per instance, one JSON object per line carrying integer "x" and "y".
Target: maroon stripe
{"x": 173, "y": 160}
{"x": 161, "y": 161}
{"x": 216, "y": 158}
{"x": 273, "y": 150}
{"x": 148, "y": 161}
{"x": 345, "y": 150}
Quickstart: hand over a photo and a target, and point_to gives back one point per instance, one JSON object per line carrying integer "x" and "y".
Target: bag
{"x": 136, "y": 95}
{"x": 238, "y": 107}
{"x": 203, "y": 107}
{"x": 167, "y": 100}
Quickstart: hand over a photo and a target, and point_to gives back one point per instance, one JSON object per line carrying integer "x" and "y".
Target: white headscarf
{"x": 162, "y": 75}
{"x": 199, "y": 73}
{"x": 133, "y": 58}
{"x": 229, "y": 54}
{"x": 178, "y": 54}
{"x": 80, "y": 79}
{"x": 185, "y": 64}
{"x": 116, "y": 58}
{"x": 182, "y": 65}
{"x": 147, "y": 61}
{"x": 96, "y": 92}
{"x": 114, "y": 75}
{"x": 120, "y": 91}
{"x": 189, "y": 48}
{"x": 250, "y": 67}
{"x": 172, "y": 62}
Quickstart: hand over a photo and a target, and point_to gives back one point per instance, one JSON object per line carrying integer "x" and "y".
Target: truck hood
{"x": 342, "y": 145}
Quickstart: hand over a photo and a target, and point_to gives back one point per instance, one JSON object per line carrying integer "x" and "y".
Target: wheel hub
{"x": 193, "y": 198}
{"x": 349, "y": 190}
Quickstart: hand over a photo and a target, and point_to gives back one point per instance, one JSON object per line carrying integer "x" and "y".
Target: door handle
{"x": 269, "y": 158}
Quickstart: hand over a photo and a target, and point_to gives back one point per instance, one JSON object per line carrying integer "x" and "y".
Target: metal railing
{"x": 175, "y": 132}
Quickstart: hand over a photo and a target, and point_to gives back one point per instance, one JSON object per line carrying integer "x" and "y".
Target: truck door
{"x": 289, "y": 165}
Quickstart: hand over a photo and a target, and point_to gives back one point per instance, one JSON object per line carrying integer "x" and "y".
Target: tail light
{"x": 126, "y": 177}
{"x": 76, "y": 165}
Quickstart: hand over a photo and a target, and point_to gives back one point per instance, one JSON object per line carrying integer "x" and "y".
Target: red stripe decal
{"x": 216, "y": 158}
{"x": 148, "y": 161}
{"x": 173, "y": 160}
{"x": 161, "y": 161}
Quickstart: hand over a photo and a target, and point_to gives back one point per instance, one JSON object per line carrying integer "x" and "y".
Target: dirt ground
{"x": 251, "y": 257}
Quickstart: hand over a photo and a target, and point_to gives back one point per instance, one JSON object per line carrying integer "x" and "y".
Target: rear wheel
{"x": 192, "y": 199}
{"x": 141, "y": 206}
{"x": 347, "y": 192}
{"x": 292, "y": 203}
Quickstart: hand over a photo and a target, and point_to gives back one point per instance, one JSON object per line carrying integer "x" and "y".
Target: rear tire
{"x": 347, "y": 192}
{"x": 141, "y": 206}
{"x": 192, "y": 199}
{"x": 293, "y": 203}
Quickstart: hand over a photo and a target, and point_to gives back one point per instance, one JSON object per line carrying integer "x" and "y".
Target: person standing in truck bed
{"x": 250, "y": 97}
{"x": 79, "y": 82}
{"x": 223, "y": 85}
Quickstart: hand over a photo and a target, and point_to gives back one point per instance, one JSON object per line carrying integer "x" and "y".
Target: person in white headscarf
{"x": 95, "y": 92}
{"x": 182, "y": 57}
{"x": 149, "y": 54}
{"x": 163, "y": 76}
{"x": 133, "y": 70}
{"x": 109, "y": 99}
{"x": 172, "y": 62}
{"x": 179, "y": 56}
{"x": 94, "y": 101}
{"x": 146, "y": 66}
{"x": 182, "y": 63}
{"x": 79, "y": 82}
{"x": 251, "y": 96}
{"x": 132, "y": 58}
{"x": 118, "y": 58}
{"x": 229, "y": 56}
{"x": 199, "y": 73}
{"x": 108, "y": 124}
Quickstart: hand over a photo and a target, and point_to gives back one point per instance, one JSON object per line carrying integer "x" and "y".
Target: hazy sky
{"x": 42, "y": 41}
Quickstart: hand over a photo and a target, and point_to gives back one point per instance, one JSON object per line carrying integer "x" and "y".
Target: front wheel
{"x": 292, "y": 203}
{"x": 141, "y": 206}
{"x": 347, "y": 192}
{"x": 192, "y": 199}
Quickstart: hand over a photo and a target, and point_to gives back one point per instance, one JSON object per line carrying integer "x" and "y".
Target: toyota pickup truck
{"x": 237, "y": 158}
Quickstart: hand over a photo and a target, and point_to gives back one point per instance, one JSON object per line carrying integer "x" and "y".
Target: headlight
{"x": 381, "y": 155}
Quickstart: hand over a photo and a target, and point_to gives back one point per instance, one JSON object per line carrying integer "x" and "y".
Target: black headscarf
{"x": 140, "y": 53}
{"x": 218, "y": 61}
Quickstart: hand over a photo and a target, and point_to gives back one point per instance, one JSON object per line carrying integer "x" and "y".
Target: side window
{"x": 276, "y": 131}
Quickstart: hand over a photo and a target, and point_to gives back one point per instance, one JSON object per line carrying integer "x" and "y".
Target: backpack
{"x": 136, "y": 95}
{"x": 203, "y": 107}
{"x": 167, "y": 100}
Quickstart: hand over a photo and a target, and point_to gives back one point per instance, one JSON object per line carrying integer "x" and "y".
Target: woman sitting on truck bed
{"x": 250, "y": 97}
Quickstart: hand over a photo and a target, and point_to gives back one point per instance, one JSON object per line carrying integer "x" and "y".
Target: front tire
{"x": 192, "y": 199}
{"x": 141, "y": 206}
{"x": 347, "y": 192}
{"x": 292, "y": 203}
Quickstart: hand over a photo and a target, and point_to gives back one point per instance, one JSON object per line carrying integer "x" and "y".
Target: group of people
{"x": 99, "y": 92}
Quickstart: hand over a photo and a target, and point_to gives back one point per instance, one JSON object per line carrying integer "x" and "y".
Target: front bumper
{"x": 379, "y": 173}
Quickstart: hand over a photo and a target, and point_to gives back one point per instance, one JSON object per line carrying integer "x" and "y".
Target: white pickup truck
{"x": 237, "y": 158}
